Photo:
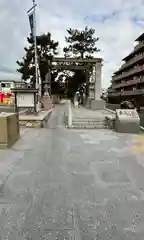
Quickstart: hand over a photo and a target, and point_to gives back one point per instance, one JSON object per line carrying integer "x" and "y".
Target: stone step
{"x": 89, "y": 122}
{"x": 87, "y": 126}
{"x": 84, "y": 125}
{"x": 91, "y": 125}
{"x": 89, "y": 119}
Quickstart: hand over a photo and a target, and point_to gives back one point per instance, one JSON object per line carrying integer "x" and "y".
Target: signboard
{"x": 127, "y": 113}
{"x": 25, "y": 100}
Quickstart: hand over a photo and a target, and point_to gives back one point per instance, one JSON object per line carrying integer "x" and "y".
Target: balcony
{"x": 129, "y": 73}
{"x": 128, "y": 92}
{"x": 133, "y": 60}
{"x": 115, "y": 93}
{"x": 110, "y": 90}
{"x": 128, "y": 83}
{"x": 139, "y": 46}
{"x": 133, "y": 92}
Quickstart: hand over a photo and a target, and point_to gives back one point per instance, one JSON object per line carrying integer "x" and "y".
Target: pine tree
{"x": 46, "y": 49}
{"x": 80, "y": 44}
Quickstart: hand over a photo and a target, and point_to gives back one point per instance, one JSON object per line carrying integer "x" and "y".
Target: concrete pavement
{"x": 72, "y": 184}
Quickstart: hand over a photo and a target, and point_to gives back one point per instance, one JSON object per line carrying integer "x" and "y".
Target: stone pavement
{"x": 71, "y": 184}
{"x": 81, "y": 112}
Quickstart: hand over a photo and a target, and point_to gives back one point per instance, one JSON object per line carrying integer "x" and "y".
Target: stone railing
{"x": 68, "y": 114}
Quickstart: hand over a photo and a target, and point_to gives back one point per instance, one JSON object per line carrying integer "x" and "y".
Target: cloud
{"x": 117, "y": 23}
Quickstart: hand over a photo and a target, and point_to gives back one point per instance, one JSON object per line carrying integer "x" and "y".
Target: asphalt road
{"x": 70, "y": 184}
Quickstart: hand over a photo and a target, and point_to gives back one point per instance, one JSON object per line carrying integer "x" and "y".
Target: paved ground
{"x": 69, "y": 184}
{"x": 80, "y": 112}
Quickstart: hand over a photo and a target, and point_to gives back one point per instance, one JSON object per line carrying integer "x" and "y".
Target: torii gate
{"x": 93, "y": 82}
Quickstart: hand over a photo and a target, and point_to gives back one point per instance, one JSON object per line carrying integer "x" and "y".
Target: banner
{"x": 31, "y": 21}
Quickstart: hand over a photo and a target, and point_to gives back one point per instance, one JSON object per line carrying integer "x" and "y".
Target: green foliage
{"x": 46, "y": 49}
{"x": 80, "y": 44}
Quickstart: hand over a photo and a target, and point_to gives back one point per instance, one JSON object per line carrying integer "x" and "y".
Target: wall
{"x": 9, "y": 129}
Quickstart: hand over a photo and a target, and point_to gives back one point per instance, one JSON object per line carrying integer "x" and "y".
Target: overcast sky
{"x": 117, "y": 23}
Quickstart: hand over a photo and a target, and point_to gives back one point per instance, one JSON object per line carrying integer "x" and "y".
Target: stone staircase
{"x": 89, "y": 123}
{"x": 82, "y": 118}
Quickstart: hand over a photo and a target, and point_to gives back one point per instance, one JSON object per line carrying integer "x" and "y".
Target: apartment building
{"x": 128, "y": 81}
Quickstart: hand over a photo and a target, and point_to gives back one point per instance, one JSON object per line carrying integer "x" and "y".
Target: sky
{"x": 117, "y": 23}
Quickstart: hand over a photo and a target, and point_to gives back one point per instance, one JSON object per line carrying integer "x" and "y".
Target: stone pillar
{"x": 92, "y": 86}
{"x": 91, "y": 90}
{"x": 97, "y": 103}
{"x": 69, "y": 113}
{"x": 46, "y": 100}
{"x": 98, "y": 80}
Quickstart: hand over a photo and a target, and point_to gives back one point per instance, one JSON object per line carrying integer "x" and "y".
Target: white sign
{"x": 127, "y": 113}
{"x": 25, "y": 99}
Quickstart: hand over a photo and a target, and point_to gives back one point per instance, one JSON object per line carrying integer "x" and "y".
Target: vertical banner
{"x": 31, "y": 21}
